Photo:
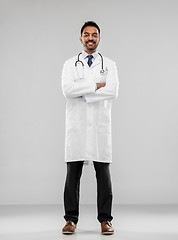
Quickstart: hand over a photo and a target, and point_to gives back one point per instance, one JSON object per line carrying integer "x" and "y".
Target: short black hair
{"x": 90, "y": 23}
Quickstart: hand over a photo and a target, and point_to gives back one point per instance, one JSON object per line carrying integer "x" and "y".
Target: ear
{"x": 80, "y": 39}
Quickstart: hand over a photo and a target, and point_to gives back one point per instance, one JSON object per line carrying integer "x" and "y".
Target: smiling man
{"x": 89, "y": 83}
{"x": 90, "y": 39}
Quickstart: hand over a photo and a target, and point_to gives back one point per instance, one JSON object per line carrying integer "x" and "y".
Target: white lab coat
{"x": 88, "y": 133}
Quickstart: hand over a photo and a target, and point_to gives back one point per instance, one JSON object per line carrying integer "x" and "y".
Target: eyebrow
{"x": 89, "y": 33}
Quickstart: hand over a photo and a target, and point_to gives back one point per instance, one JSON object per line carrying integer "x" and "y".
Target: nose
{"x": 90, "y": 37}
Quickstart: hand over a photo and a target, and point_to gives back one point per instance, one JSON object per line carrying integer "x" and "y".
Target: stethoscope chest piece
{"x": 102, "y": 72}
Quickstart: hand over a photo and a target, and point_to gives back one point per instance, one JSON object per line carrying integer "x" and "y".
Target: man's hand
{"x": 99, "y": 85}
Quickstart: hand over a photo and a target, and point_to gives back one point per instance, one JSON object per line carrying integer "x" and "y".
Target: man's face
{"x": 90, "y": 39}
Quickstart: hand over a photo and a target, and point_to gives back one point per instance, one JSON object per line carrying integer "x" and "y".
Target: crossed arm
{"x": 99, "y": 85}
{"x": 87, "y": 87}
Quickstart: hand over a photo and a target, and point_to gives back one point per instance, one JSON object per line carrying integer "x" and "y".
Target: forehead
{"x": 90, "y": 29}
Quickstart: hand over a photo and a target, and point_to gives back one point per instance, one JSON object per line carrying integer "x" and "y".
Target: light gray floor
{"x": 131, "y": 222}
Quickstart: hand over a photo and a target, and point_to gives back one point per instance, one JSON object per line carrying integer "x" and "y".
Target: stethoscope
{"x": 102, "y": 71}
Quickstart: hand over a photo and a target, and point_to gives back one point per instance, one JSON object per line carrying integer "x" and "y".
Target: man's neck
{"x": 89, "y": 52}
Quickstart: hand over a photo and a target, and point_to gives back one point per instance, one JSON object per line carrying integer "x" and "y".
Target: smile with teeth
{"x": 90, "y": 43}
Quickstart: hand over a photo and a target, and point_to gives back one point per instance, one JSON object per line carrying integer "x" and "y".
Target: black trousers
{"x": 72, "y": 191}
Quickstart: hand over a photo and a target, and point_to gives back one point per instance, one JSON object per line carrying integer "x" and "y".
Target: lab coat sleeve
{"x": 110, "y": 90}
{"x": 72, "y": 87}
{"x": 83, "y": 97}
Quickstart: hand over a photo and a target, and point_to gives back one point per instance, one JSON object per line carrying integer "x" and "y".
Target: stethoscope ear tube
{"x": 102, "y": 71}
{"x": 78, "y": 60}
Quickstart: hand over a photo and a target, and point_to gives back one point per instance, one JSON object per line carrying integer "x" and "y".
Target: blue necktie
{"x": 90, "y": 60}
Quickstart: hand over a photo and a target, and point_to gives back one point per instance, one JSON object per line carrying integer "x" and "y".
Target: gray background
{"x": 36, "y": 38}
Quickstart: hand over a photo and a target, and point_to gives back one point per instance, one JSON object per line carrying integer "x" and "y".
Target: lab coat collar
{"x": 96, "y": 61}
{"x": 85, "y": 54}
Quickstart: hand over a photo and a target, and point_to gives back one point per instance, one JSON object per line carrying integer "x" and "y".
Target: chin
{"x": 92, "y": 48}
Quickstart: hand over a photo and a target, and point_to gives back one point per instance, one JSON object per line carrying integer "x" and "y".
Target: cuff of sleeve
{"x": 83, "y": 97}
{"x": 95, "y": 87}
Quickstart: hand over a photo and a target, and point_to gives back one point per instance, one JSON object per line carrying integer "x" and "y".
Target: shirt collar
{"x": 84, "y": 54}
